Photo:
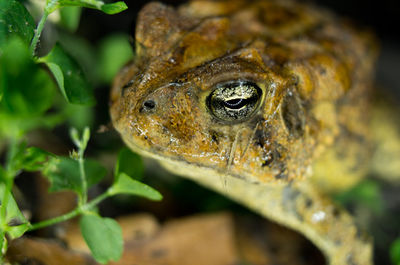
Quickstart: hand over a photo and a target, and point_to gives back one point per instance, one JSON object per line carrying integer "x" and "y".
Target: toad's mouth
{"x": 180, "y": 166}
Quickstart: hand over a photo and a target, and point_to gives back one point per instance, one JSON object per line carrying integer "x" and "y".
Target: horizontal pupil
{"x": 236, "y": 103}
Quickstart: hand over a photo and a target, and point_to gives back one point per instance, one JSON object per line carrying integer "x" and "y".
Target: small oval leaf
{"x": 126, "y": 185}
{"x": 110, "y": 9}
{"x": 114, "y": 8}
{"x": 103, "y": 237}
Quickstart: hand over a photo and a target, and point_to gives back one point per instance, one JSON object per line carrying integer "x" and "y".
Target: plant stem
{"x": 55, "y": 220}
{"x": 3, "y": 243}
{"x": 71, "y": 214}
{"x": 4, "y": 202}
{"x": 82, "y": 144}
{"x": 51, "y": 6}
{"x": 2, "y": 235}
{"x": 3, "y": 224}
{"x": 3, "y": 247}
{"x": 38, "y": 32}
{"x": 83, "y": 176}
{"x": 9, "y": 182}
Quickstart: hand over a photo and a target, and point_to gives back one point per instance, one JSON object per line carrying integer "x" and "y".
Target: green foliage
{"x": 128, "y": 170}
{"x": 79, "y": 116}
{"x": 129, "y": 163}
{"x": 64, "y": 174}
{"x": 83, "y": 52}
{"x": 114, "y": 8}
{"x": 69, "y": 76}
{"x": 28, "y": 158}
{"x": 126, "y": 185}
{"x": 70, "y": 16}
{"x": 35, "y": 159}
{"x": 15, "y": 20}
{"x": 28, "y": 100}
{"x": 395, "y": 252}
{"x": 27, "y": 90}
{"x": 28, "y": 96}
{"x": 110, "y": 9}
{"x": 111, "y": 61}
{"x": 103, "y": 237}
{"x": 82, "y": 142}
{"x": 14, "y": 221}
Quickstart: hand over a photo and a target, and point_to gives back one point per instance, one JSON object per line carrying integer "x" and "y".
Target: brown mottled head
{"x": 247, "y": 89}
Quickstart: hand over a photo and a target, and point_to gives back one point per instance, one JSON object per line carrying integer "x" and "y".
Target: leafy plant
{"x": 28, "y": 101}
{"x": 77, "y": 174}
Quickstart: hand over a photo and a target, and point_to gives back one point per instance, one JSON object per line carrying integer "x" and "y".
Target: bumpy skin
{"x": 315, "y": 74}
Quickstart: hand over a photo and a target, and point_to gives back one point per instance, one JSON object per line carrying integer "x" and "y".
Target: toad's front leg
{"x": 298, "y": 206}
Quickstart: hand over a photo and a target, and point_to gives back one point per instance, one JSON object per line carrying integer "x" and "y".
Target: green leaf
{"x": 63, "y": 174}
{"x": 94, "y": 172}
{"x": 15, "y": 231}
{"x": 83, "y": 52}
{"x": 94, "y": 4}
{"x": 115, "y": 51}
{"x": 395, "y": 252}
{"x": 15, "y": 20}
{"x": 28, "y": 90}
{"x": 85, "y": 138}
{"x": 15, "y": 221}
{"x": 74, "y": 134}
{"x": 70, "y": 16}
{"x": 58, "y": 75}
{"x": 3, "y": 243}
{"x": 129, "y": 163}
{"x": 106, "y": 8}
{"x": 82, "y": 142}
{"x": 103, "y": 237}
{"x": 114, "y": 8}
{"x": 35, "y": 159}
{"x": 16, "y": 159}
{"x": 125, "y": 185}
{"x": 29, "y": 159}
{"x": 14, "y": 127}
{"x": 69, "y": 76}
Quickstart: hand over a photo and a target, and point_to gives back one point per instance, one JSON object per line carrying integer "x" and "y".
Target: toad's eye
{"x": 234, "y": 101}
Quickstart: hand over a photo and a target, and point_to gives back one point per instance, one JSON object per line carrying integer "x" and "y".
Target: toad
{"x": 266, "y": 102}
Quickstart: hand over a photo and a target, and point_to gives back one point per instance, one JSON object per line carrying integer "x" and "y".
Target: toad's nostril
{"x": 149, "y": 104}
